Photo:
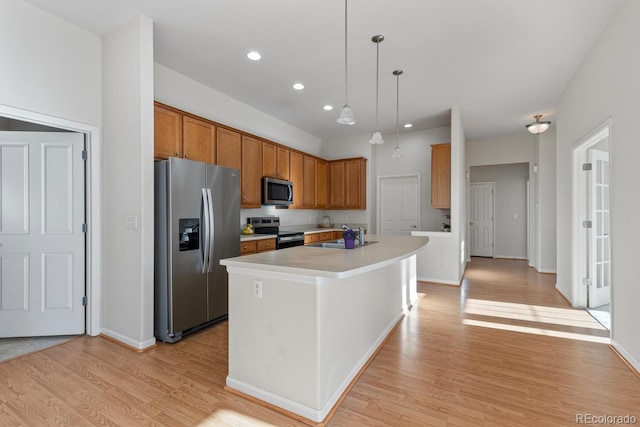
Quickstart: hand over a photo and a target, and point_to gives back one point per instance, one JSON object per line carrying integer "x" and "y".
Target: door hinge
{"x": 84, "y": 300}
{"x": 587, "y": 224}
{"x": 84, "y": 155}
{"x": 586, "y": 281}
{"x": 587, "y": 166}
{"x": 84, "y": 227}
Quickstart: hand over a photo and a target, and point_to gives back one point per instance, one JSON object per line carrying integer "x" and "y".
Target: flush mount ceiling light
{"x": 254, "y": 56}
{"x": 538, "y": 126}
{"x": 408, "y": 125}
{"x": 396, "y": 151}
{"x": 376, "y": 137}
{"x": 298, "y": 86}
{"x": 328, "y": 107}
{"x": 346, "y": 115}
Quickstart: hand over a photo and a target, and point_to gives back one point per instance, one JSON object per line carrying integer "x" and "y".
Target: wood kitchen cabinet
{"x": 198, "y": 140}
{"x": 348, "y": 183}
{"x": 296, "y": 176}
{"x": 256, "y": 246}
{"x": 251, "y": 172}
{"x": 228, "y": 148}
{"x": 441, "y": 176}
{"x": 321, "y": 184}
{"x": 309, "y": 182}
{"x": 167, "y": 129}
{"x": 180, "y": 135}
{"x": 275, "y": 161}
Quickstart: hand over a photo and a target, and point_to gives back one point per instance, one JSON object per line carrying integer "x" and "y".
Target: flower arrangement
{"x": 350, "y": 232}
{"x": 445, "y": 225}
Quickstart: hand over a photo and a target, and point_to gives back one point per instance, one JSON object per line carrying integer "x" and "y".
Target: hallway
{"x": 434, "y": 370}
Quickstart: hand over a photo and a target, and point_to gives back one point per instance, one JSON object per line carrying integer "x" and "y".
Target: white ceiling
{"x": 500, "y": 61}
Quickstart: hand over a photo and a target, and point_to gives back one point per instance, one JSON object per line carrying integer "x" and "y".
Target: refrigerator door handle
{"x": 211, "y": 230}
{"x": 206, "y": 232}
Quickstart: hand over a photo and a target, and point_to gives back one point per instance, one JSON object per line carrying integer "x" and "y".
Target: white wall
{"x": 459, "y": 185}
{"x": 416, "y": 158}
{"x": 509, "y": 149}
{"x": 48, "y": 65}
{"x": 181, "y": 92}
{"x": 545, "y": 202}
{"x": 128, "y": 183}
{"x": 510, "y": 201}
{"x": 607, "y": 85}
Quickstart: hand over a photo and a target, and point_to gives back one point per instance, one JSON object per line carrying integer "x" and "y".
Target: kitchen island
{"x": 305, "y": 321}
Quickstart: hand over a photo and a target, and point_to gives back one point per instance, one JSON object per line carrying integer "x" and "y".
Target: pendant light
{"x": 396, "y": 151}
{"x": 538, "y": 126}
{"x": 346, "y": 115}
{"x": 376, "y": 137}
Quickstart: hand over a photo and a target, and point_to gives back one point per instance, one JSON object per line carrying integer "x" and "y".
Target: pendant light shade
{"x": 396, "y": 151}
{"x": 538, "y": 126}
{"x": 376, "y": 137}
{"x": 346, "y": 115}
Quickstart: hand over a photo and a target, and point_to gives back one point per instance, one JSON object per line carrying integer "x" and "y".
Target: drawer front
{"x": 266, "y": 245}
{"x": 325, "y": 236}
{"x": 248, "y": 247}
{"x": 311, "y": 238}
{"x": 337, "y": 235}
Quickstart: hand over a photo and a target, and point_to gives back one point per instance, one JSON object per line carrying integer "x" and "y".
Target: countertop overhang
{"x": 331, "y": 262}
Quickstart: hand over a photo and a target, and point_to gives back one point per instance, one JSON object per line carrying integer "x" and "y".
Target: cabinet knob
{"x": 177, "y": 153}
{"x": 268, "y": 244}
{"x": 244, "y": 197}
{"x": 186, "y": 156}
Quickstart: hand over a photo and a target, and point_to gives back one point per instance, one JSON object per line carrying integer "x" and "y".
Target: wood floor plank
{"x": 433, "y": 371}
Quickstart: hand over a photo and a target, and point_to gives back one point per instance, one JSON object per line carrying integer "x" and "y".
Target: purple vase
{"x": 349, "y": 241}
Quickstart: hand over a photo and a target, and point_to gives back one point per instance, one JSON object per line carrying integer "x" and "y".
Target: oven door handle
{"x": 291, "y": 238}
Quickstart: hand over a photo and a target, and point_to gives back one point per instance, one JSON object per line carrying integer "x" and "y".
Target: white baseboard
{"x": 446, "y": 282}
{"x": 546, "y": 270}
{"x": 509, "y": 257}
{"x": 139, "y": 345}
{"x": 624, "y": 353}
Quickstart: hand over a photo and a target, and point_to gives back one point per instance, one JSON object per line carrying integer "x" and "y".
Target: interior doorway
{"x": 399, "y": 204}
{"x": 481, "y": 223}
{"x": 591, "y": 224}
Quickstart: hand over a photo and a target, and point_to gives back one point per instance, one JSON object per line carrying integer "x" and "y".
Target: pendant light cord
{"x": 346, "y": 74}
{"x": 397, "y": 109}
{"x": 377, "y": 72}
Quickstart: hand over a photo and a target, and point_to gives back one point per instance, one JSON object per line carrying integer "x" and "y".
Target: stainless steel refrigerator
{"x": 197, "y": 221}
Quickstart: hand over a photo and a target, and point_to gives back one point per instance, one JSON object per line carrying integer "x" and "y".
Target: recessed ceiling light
{"x": 298, "y": 86}
{"x": 328, "y": 107}
{"x": 408, "y": 125}
{"x": 254, "y": 56}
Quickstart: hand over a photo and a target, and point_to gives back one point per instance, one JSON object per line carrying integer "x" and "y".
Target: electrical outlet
{"x": 257, "y": 288}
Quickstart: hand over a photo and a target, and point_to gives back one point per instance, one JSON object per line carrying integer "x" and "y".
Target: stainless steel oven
{"x": 271, "y": 225}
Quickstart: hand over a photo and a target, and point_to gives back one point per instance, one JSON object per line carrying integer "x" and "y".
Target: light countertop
{"x": 332, "y": 262}
{"x": 250, "y": 237}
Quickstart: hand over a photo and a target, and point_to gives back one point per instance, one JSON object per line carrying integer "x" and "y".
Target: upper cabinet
{"x": 251, "y": 172}
{"x": 198, "y": 140}
{"x": 441, "y": 176}
{"x": 229, "y": 149}
{"x": 275, "y": 161}
{"x": 348, "y": 184}
{"x": 167, "y": 130}
{"x": 317, "y": 183}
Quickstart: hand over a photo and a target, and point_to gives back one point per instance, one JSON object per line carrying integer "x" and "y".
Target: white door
{"x": 399, "y": 205}
{"x": 599, "y": 241}
{"x": 481, "y": 223}
{"x": 42, "y": 264}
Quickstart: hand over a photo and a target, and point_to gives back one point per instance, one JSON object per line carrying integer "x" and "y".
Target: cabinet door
{"x": 198, "y": 140}
{"x": 228, "y": 148}
{"x": 321, "y": 184}
{"x": 269, "y": 160}
{"x": 296, "y": 176}
{"x": 441, "y": 176}
{"x": 336, "y": 185}
{"x": 309, "y": 183}
{"x": 251, "y": 172}
{"x": 282, "y": 163}
{"x": 355, "y": 184}
{"x": 167, "y": 130}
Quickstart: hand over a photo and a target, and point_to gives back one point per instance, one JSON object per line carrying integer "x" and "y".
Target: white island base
{"x": 303, "y": 322}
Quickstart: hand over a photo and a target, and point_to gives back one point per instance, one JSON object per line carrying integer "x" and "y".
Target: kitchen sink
{"x": 339, "y": 244}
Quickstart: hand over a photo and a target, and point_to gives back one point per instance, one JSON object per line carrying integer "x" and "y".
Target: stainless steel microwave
{"x": 276, "y": 191}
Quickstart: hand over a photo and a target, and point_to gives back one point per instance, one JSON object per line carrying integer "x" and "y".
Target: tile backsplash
{"x": 305, "y": 216}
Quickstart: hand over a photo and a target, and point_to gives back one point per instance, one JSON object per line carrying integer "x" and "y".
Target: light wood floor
{"x": 433, "y": 371}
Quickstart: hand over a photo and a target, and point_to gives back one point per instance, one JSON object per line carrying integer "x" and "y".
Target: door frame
{"x": 579, "y": 152}
{"x": 93, "y": 205}
{"x": 379, "y": 200}
{"x": 493, "y": 216}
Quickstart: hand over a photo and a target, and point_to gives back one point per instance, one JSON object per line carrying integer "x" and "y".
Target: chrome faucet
{"x": 361, "y": 235}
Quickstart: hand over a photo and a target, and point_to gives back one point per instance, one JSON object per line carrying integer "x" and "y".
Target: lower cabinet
{"x": 324, "y": 236}
{"x": 257, "y": 246}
